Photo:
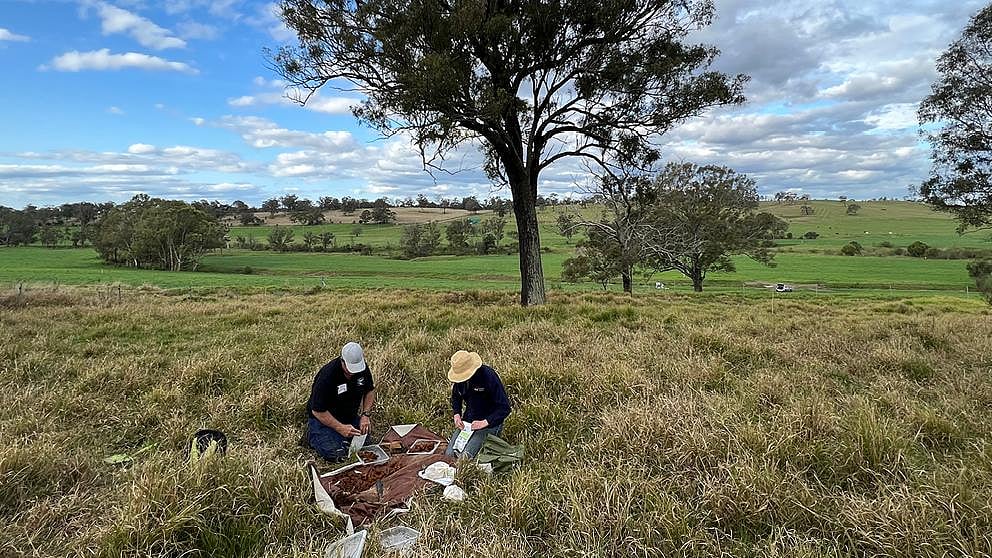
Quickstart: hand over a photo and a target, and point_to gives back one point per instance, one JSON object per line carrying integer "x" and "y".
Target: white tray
{"x": 432, "y": 450}
{"x": 383, "y": 456}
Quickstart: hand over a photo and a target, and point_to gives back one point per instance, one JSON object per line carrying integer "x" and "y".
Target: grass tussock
{"x": 697, "y": 427}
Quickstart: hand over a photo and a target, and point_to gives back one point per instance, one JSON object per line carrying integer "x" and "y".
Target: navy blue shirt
{"x": 483, "y": 396}
{"x": 332, "y": 392}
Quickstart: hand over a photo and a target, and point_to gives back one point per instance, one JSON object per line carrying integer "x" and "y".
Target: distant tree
{"x": 852, "y": 209}
{"x": 310, "y": 240}
{"x": 806, "y": 210}
{"x": 280, "y": 238}
{"x": 248, "y": 219}
{"x": 381, "y": 213}
{"x": 956, "y": 119}
{"x": 842, "y": 199}
{"x": 356, "y": 232}
{"x": 708, "y": 214}
{"x": 981, "y": 272}
{"x": 349, "y": 205}
{"x": 307, "y": 216}
{"x": 420, "y": 240}
{"x": 50, "y": 236}
{"x": 458, "y": 232}
{"x": 494, "y": 226}
{"x": 365, "y": 217}
{"x": 811, "y": 235}
{"x": 272, "y": 206}
{"x": 486, "y": 245}
{"x": 532, "y": 83}
{"x": 852, "y": 248}
{"x": 471, "y": 204}
{"x": 155, "y": 233}
{"x": 627, "y": 230}
{"x": 566, "y": 224}
{"x": 17, "y": 227}
{"x": 289, "y": 202}
{"x": 918, "y": 249}
{"x": 329, "y": 204}
{"x": 444, "y": 204}
{"x": 597, "y": 258}
{"x": 423, "y": 202}
{"x": 326, "y": 239}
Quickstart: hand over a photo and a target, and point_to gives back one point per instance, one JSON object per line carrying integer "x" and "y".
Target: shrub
{"x": 811, "y": 235}
{"x": 917, "y": 249}
{"x": 885, "y": 244}
{"x": 851, "y": 249}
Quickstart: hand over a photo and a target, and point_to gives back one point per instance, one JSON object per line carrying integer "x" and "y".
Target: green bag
{"x": 500, "y": 454}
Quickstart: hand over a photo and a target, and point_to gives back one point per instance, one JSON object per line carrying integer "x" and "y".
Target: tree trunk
{"x": 697, "y": 280}
{"x": 628, "y": 281}
{"x": 531, "y": 272}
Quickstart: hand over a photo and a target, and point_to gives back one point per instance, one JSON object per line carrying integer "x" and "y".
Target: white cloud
{"x": 290, "y": 96}
{"x": 103, "y": 59}
{"x": 7, "y": 35}
{"x": 118, "y": 20}
{"x": 115, "y": 110}
{"x": 194, "y": 30}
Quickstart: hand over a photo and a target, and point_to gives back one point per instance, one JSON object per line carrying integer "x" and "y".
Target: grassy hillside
{"x": 900, "y": 223}
{"x": 698, "y": 427}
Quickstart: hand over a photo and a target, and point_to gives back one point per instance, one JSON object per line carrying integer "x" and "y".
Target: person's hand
{"x": 348, "y": 431}
{"x": 365, "y": 424}
{"x": 480, "y": 424}
{"x": 458, "y": 422}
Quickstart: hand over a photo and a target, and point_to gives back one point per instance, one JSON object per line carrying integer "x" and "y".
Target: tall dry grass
{"x": 656, "y": 426}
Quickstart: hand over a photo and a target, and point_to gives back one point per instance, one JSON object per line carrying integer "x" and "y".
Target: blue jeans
{"x": 474, "y": 443}
{"x": 326, "y": 441}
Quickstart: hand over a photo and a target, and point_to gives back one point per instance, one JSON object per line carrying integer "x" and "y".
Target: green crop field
{"x": 701, "y": 426}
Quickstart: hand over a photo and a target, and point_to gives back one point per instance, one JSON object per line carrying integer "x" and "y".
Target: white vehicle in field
{"x": 783, "y": 288}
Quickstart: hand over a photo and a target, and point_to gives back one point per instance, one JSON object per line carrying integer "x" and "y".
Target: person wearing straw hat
{"x": 476, "y": 387}
{"x": 341, "y": 400}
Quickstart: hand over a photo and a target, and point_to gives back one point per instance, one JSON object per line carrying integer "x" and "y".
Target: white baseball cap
{"x": 353, "y": 357}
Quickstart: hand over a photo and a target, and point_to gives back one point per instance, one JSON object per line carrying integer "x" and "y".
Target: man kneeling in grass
{"x": 479, "y": 388}
{"x": 341, "y": 399}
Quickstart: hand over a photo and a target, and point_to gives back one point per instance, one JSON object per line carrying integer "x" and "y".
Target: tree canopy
{"x": 957, "y": 120}
{"x": 530, "y": 82}
{"x": 705, "y": 214}
{"x": 156, "y": 233}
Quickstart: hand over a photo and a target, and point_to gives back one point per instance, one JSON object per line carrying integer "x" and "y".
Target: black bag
{"x": 203, "y": 438}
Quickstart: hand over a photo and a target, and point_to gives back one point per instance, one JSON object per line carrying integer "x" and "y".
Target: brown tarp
{"x": 354, "y": 491}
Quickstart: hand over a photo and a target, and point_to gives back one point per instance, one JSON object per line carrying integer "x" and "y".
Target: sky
{"x": 102, "y": 100}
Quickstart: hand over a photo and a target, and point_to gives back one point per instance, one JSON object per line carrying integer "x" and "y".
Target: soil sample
{"x": 368, "y": 456}
{"x": 359, "y": 480}
{"x": 422, "y": 446}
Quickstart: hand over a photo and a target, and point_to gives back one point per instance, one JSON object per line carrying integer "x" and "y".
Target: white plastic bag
{"x": 462, "y": 440}
{"x": 454, "y": 494}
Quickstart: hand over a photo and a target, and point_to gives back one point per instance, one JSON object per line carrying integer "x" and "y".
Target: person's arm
{"x": 456, "y": 406}
{"x": 368, "y": 402}
{"x": 328, "y": 420}
{"x": 502, "y": 403}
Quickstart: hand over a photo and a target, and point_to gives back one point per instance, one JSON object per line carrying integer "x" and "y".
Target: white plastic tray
{"x": 398, "y": 539}
{"x": 348, "y": 547}
{"x": 442, "y": 482}
{"x": 383, "y": 456}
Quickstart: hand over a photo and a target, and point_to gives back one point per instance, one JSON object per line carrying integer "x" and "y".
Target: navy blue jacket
{"x": 484, "y": 397}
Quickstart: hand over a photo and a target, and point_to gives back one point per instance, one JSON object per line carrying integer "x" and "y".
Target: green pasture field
{"x": 811, "y": 263}
{"x": 265, "y": 269}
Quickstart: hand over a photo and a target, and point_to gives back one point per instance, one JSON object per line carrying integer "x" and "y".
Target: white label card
{"x": 342, "y": 388}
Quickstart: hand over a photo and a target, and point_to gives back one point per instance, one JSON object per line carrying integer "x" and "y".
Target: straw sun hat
{"x": 463, "y": 366}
